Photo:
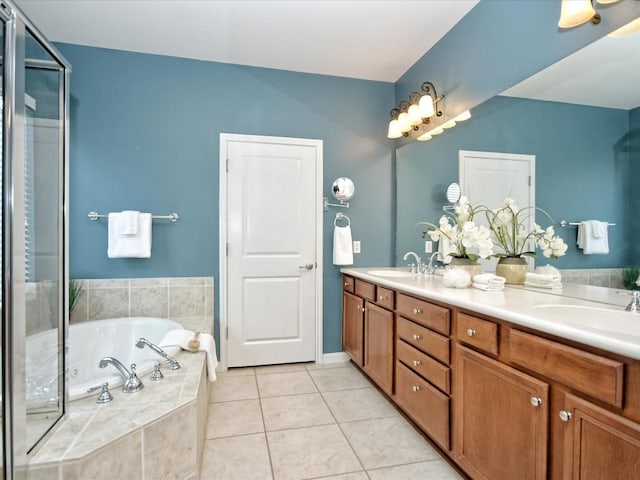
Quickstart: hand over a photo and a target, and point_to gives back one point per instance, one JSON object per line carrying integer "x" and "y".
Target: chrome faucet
{"x": 418, "y": 267}
{"x": 131, "y": 381}
{"x": 634, "y": 305}
{"x": 431, "y": 268}
{"x": 173, "y": 363}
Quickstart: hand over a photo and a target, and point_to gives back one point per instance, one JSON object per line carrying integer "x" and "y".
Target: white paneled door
{"x": 487, "y": 178}
{"x": 272, "y": 210}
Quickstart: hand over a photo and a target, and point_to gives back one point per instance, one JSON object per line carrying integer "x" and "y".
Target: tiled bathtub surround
{"x": 184, "y": 299}
{"x": 157, "y": 433}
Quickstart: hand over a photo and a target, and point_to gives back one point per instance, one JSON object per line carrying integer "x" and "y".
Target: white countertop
{"x": 602, "y": 323}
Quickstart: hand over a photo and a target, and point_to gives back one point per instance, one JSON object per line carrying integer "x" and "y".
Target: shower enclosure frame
{"x": 17, "y": 26}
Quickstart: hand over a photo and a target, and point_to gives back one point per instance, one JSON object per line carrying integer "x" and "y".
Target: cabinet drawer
{"x": 425, "y": 313}
{"x": 477, "y": 332}
{"x": 592, "y": 374}
{"x": 348, "y": 284}
{"x": 425, "y": 366}
{"x": 385, "y": 297}
{"x": 365, "y": 290}
{"x": 426, "y": 405}
{"x": 424, "y": 339}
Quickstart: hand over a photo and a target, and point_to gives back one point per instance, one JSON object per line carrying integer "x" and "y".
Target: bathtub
{"x": 90, "y": 341}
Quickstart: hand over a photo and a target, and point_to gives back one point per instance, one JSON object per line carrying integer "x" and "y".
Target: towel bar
{"x": 174, "y": 217}
{"x": 564, "y": 223}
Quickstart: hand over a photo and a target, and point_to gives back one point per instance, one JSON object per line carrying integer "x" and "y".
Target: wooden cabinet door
{"x": 352, "y": 325}
{"x": 378, "y": 346}
{"x": 500, "y": 421}
{"x": 598, "y": 444}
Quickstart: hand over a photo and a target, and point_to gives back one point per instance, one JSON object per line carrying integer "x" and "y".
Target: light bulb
{"x": 394, "y": 129}
{"x": 575, "y": 12}
{"x": 466, "y": 115}
{"x": 426, "y": 106}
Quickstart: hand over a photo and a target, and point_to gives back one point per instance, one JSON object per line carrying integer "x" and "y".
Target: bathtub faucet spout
{"x": 173, "y": 363}
{"x": 131, "y": 381}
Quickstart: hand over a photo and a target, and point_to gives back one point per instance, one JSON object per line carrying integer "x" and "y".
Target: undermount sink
{"x": 391, "y": 273}
{"x": 603, "y": 319}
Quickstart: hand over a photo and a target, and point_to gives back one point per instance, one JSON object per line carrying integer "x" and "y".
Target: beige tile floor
{"x": 308, "y": 421}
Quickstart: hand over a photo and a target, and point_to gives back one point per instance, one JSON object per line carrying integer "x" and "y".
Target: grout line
{"x": 264, "y": 427}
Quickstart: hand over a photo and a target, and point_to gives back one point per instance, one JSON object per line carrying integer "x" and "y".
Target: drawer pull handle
{"x": 536, "y": 401}
{"x": 381, "y": 297}
{"x": 417, "y": 363}
{"x": 564, "y": 415}
{"x": 362, "y": 309}
{"x": 416, "y": 336}
{"x": 471, "y": 332}
{"x": 346, "y": 284}
{"x": 415, "y": 388}
{"x": 417, "y": 311}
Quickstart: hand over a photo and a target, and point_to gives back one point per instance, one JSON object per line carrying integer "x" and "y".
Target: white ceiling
{"x": 603, "y": 74}
{"x": 367, "y": 39}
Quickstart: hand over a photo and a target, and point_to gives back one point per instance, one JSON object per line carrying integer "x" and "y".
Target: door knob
{"x": 308, "y": 266}
{"x": 536, "y": 401}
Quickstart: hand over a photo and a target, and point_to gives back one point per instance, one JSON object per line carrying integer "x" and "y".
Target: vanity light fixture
{"x": 632, "y": 27}
{"x": 410, "y": 115}
{"x": 577, "y": 12}
{"x": 466, "y": 115}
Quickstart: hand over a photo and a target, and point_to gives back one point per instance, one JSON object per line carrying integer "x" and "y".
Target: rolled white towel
{"x": 181, "y": 338}
{"x": 487, "y": 287}
{"x": 489, "y": 279}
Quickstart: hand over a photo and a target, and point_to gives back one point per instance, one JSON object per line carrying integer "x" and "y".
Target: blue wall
{"x": 500, "y": 43}
{"x": 145, "y": 136}
{"x": 580, "y": 168}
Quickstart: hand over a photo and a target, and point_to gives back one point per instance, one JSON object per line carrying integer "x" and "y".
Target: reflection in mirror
{"x": 583, "y": 126}
{"x": 343, "y": 188}
{"x": 43, "y": 196}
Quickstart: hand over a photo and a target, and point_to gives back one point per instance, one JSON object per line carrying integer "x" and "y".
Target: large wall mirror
{"x": 581, "y": 119}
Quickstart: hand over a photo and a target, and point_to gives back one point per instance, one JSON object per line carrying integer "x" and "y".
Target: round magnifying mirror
{"x": 343, "y": 188}
{"x": 453, "y": 192}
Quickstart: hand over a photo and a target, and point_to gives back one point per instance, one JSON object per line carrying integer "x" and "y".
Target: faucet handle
{"x": 105, "y": 395}
{"x": 157, "y": 375}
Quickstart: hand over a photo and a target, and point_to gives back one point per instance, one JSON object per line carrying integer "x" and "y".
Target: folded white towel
{"x": 593, "y": 237}
{"x": 129, "y": 246}
{"x": 129, "y": 222}
{"x": 487, "y": 287}
{"x": 489, "y": 279}
{"x": 542, "y": 277}
{"x": 549, "y": 270}
{"x": 545, "y": 285}
{"x": 342, "y": 246}
{"x": 181, "y": 338}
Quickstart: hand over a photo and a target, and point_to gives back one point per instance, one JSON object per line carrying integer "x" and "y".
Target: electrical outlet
{"x": 428, "y": 246}
{"x": 356, "y": 246}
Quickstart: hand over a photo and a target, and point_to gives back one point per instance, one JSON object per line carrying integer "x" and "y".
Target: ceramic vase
{"x": 513, "y": 269}
{"x": 467, "y": 264}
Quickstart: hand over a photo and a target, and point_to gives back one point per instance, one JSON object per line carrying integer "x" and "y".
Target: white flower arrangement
{"x": 467, "y": 239}
{"x": 510, "y": 234}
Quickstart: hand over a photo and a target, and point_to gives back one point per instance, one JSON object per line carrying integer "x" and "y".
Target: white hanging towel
{"x": 593, "y": 237}
{"x": 342, "y": 246}
{"x": 444, "y": 249}
{"x": 124, "y": 245}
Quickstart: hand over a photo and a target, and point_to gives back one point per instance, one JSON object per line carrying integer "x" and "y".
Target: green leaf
{"x": 529, "y": 254}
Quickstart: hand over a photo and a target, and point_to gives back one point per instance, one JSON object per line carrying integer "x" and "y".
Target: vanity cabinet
{"x": 500, "y": 419}
{"x": 352, "y": 326}
{"x": 598, "y": 444}
{"x": 502, "y": 401}
{"x": 378, "y": 346}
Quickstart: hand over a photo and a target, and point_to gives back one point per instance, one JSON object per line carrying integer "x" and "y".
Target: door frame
{"x": 225, "y": 139}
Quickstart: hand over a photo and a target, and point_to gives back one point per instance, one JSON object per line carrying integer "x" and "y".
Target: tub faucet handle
{"x": 105, "y": 395}
{"x": 157, "y": 375}
{"x": 132, "y": 383}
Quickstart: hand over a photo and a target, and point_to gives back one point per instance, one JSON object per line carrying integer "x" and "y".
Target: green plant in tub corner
{"x": 515, "y": 239}
{"x": 75, "y": 289}
{"x": 630, "y": 278}
{"x": 466, "y": 239}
